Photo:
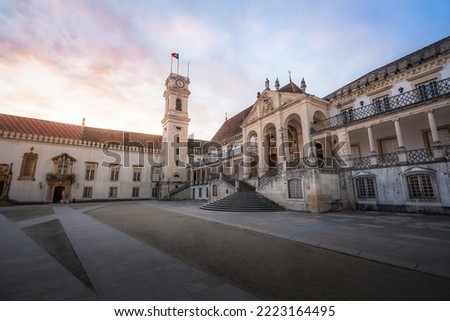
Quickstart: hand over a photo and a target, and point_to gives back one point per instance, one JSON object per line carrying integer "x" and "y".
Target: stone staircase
{"x": 243, "y": 201}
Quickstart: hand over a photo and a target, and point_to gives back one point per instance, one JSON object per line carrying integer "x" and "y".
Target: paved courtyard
{"x": 91, "y": 252}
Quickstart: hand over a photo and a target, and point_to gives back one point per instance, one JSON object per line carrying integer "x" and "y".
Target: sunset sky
{"x": 107, "y": 60}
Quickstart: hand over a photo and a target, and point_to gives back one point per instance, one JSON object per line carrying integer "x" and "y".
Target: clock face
{"x": 179, "y": 83}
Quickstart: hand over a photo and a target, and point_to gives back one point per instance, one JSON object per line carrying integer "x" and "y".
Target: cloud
{"x": 107, "y": 61}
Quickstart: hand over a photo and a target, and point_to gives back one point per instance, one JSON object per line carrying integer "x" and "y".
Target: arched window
{"x": 178, "y": 104}
{"x": 295, "y": 188}
{"x": 214, "y": 190}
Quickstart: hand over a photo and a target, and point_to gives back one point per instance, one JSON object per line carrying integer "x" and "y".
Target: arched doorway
{"x": 293, "y": 139}
{"x": 252, "y": 152}
{"x": 270, "y": 146}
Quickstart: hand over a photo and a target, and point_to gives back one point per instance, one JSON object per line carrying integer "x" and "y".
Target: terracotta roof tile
{"x": 231, "y": 127}
{"x": 290, "y": 88}
{"x": 33, "y": 126}
{"x": 122, "y": 137}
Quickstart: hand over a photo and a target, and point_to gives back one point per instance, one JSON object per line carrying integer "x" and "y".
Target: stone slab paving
{"x": 413, "y": 241}
{"x": 123, "y": 268}
{"x": 119, "y": 266}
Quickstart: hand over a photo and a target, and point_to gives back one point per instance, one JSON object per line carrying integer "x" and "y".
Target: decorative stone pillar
{"x": 344, "y": 148}
{"x": 401, "y": 151}
{"x": 373, "y": 153}
{"x": 436, "y": 145}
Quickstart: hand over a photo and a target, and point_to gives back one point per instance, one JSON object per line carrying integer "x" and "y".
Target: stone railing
{"x": 414, "y": 156}
{"x": 270, "y": 174}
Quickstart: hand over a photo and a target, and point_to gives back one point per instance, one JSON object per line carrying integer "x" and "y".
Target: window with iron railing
{"x": 420, "y": 187}
{"x": 381, "y": 104}
{"x": 365, "y": 187}
{"x": 427, "y": 90}
{"x": 295, "y": 188}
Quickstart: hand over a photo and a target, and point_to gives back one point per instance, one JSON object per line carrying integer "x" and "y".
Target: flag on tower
{"x": 175, "y": 55}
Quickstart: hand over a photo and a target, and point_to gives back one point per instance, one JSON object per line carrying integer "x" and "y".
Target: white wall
{"x": 12, "y": 151}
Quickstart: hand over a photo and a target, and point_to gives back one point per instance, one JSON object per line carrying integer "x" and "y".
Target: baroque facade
{"x": 382, "y": 142}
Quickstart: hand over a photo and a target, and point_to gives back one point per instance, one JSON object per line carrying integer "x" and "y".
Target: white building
{"x": 381, "y": 142}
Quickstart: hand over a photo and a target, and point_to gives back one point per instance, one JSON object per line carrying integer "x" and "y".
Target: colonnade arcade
{"x": 269, "y": 145}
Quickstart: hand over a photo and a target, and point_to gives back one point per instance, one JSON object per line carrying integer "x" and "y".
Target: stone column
{"x": 436, "y": 146}
{"x": 343, "y": 148}
{"x": 401, "y": 152}
{"x": 373, "y": 153}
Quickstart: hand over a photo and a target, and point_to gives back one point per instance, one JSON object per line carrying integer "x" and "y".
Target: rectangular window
{"x": 62, "y": 167}
{"x": 444, "y": 137}
{"x": 199, "y": 192}
{"x": 112, "y": 192}
{"x": 214, "y": 191}
{"x": 114, "y": 172}
{"x": 381, "y": 104}
{"x": 135, "y": 192}
{"x": 28, "y": 169}
{"x": 388, "y": 146}
{"x": 295, "y": 188}
{"x": 136, "y": 174}
{"x": 427, "y": 90}
{"x": 420, "y": 187}
{"x": 90, "y": 171}
{"x": 365, "y": 187}
{"x": 87, "y": 192}
{"x": 356, "y": 153}
{"x": 348, "y": 115}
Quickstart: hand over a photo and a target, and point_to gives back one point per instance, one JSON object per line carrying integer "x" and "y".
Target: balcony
{"x": 413, "y": 157}
{"x": 389, "y": 104}
{"x": 51, "y": 177}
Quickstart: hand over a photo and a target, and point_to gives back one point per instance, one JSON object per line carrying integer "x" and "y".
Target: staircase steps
{"x": 243, "y": 201}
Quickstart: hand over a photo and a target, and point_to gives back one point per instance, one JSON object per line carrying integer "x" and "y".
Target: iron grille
{"x": 362, "y": 162}
{"x": 446, "y": 151}
{"x": 409, "y": 98}
{"x": 387, "y": 160}
{"x": 421, "y": 155}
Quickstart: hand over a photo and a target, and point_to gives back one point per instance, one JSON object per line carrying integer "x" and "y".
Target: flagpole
{"x": 188, "y": 71}
{"x": 178, "y": 63}
{"x": 171, "y": 63}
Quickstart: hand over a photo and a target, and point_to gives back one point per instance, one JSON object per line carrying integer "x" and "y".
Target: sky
{"x": 107, "y": 61}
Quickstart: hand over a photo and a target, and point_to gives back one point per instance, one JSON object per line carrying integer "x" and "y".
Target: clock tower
{"x": 175, "y": 134}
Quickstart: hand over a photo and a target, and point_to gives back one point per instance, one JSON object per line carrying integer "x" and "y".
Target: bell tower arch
{"x": 175, "y": 133}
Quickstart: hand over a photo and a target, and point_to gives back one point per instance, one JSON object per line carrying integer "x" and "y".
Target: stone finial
{"x": 277, "y": 84}
{"x": 303, "y": 84}
{"x": 267, "y": 84}
{"x": 258, "y": 94}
